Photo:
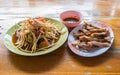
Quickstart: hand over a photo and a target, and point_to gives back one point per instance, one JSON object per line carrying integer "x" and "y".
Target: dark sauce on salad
{"x": 71, "y": 20}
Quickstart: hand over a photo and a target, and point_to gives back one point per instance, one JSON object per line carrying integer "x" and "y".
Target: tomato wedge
{"x": 41, "y": 19}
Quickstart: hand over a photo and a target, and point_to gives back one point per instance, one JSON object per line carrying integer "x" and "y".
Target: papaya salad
{"x": 35, "y": 34}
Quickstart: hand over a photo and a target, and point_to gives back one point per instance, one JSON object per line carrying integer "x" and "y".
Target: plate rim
{"x": 69, "y": 45}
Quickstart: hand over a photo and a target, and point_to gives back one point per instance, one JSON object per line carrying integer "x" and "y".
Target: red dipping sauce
{"x": 71, "y": 18}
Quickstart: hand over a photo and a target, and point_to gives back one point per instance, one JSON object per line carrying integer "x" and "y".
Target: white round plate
{"x": 80, "y": 52}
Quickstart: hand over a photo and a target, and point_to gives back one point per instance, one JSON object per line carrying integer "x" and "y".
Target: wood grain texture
{"x": 62, "y": 61}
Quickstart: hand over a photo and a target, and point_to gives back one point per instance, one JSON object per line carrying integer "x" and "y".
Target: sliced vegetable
{"x": 29, "y": 38}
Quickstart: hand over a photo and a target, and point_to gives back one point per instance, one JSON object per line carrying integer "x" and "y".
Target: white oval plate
{"x": 97, "y": 52}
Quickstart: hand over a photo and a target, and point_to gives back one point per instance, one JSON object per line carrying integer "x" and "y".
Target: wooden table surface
{"x": 62, "y": 61}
